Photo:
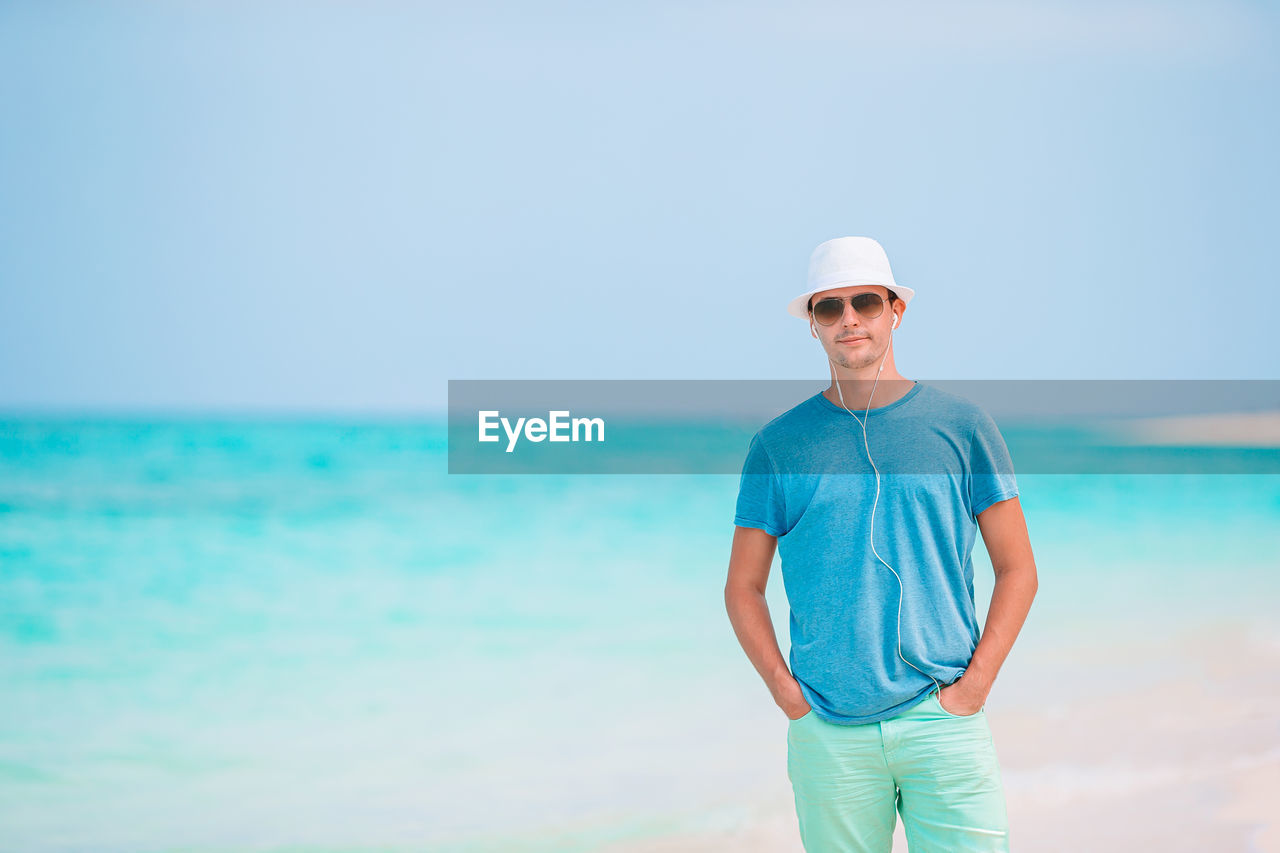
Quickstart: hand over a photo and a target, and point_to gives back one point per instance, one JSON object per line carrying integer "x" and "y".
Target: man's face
{"x": 853, "y": 341}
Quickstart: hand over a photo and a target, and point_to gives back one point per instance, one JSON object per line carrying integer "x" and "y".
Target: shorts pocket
{"x": 937, "y": 700}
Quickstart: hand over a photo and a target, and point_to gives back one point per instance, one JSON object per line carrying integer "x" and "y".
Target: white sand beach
{"x": 1242, "y": 429}
{"x": 1190, "y": 763}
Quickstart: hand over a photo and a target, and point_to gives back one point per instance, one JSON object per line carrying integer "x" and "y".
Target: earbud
{"x": 895, "y": 321}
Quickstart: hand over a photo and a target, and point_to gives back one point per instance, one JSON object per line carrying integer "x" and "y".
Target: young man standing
{"x": 873, "y": 492}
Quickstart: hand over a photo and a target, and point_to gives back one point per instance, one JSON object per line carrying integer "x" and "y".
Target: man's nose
{"x": 850, "y": 316}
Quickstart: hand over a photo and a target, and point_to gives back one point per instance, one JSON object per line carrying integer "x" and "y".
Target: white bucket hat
{"x": 847, "y": 261}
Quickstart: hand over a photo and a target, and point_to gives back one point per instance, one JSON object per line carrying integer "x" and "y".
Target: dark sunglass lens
{"x": 827, "y": 311}
{"x": 869, "y": 305}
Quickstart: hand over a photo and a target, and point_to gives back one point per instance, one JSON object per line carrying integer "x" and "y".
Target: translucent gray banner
{"x": 707, "y": 426}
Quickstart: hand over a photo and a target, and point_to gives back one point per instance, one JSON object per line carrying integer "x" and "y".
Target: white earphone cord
{"x": 862, "y": 422}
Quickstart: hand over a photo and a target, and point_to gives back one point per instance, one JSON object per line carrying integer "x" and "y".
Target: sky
{"x": 338, "y": 207}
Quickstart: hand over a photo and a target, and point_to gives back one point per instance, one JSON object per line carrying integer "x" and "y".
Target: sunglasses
{"x": 829, "y": 310}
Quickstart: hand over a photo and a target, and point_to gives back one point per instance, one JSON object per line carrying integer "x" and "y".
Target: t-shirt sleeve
{"x": 991, "y": 477}
{"x": 760, "y": 497}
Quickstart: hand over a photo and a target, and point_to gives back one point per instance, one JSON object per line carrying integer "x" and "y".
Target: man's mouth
{"x": 851, "y": 341}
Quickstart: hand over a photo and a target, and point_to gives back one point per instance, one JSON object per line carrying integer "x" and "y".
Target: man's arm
{"x": 1004, "y": 532}
{"x": 749, "y": 562}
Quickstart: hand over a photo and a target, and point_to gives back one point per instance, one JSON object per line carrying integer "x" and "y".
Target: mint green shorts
{"x": 937, "y": 769}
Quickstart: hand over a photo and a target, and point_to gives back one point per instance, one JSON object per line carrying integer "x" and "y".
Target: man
{"x": 875, "y": 506}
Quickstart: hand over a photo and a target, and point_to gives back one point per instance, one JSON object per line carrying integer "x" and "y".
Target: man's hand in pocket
{"x": 961, "y": 699}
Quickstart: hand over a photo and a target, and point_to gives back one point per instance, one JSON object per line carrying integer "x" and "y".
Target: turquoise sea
{"x": 222, "y": 634}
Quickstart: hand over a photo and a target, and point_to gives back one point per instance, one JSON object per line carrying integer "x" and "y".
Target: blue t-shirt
{"x": 807, "y": 481}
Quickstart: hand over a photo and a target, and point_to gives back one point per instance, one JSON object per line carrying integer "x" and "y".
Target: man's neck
{"x": 856, "y": 388}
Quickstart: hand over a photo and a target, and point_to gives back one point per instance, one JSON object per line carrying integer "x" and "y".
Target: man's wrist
{"x": 779, "y": 680}
{"x": 977, "y": 677}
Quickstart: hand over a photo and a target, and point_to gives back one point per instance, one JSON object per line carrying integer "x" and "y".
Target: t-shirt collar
{"x": 915, "y": 389}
